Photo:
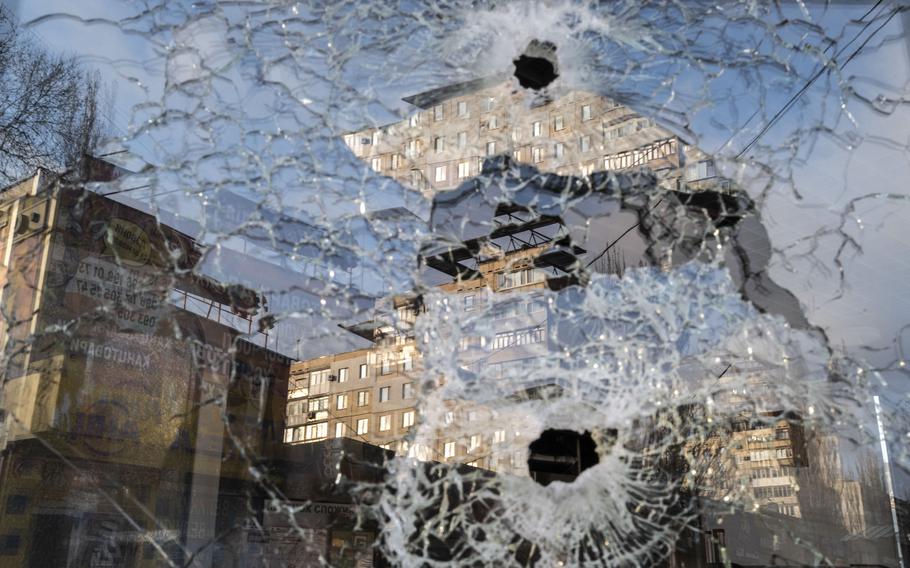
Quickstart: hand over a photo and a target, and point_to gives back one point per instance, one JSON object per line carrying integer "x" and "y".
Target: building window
{"x": 449, "y": 450}
{"x": 586, "y": 112}
{"x": 396, "y": 161}
{"x": 516, "y": 134}
{"x": 491, "y": 148}
{"x": 585, "y": 143}
{"x": 450, "y": 417}
{"x": 341, "y": 402}
{"x": 489, "y": 104}
{"x": 464, "y": 169}
{"x": 363, "y": 426}
{"x": 499, "y": 436}
{"x": 521, "y": 278}
{"x": 339, "y": 429}
{"x": 343, "y": 375}
{"x": 385, "y": 423}
{"x": 701, "y": 170}
{"x": 518, "y": 337}
{"x": 375, "y": 139}
{"x": 475, "y": 443}
{"x": 384, "y": 393}
{"x": 407, "y": 390}
{"x": 516, "y": 155}
{"x": 363, "y": 371}
{"x": 462, "y": 109}
{"x": 620, "y": 161}
{"x": 385, "y": 367}
{"x": 438, "y": 113}
{"x": 412, "y": 150}
{"x": 363, "y": 398}
{"x": 440, "y": 173}
{"x": 316, "y": 431}
{"x": 492, "y": 123}
{"x": 319, "y": 404}
{"x": 349, "y": 141}
{"x": 469, "y": 302}
{"x": 559, "y": 150}
{"x": 414, "y": 120}
{"x": 407, "y": 419}
{"x": 535, "y": 129}
{"x": 319, "y": 377}
{"x": 376, "y": 164}
{"x": 439, "y": 144}
{"x": 462, "y": 140}
{"x": 558, "y": 123}
{"x": 537, "y": 154}
{"x": 408, "y": 362}
{"x": 416, "y": 179}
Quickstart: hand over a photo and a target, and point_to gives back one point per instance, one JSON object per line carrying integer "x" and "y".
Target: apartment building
{"x": 368, "y": 394}
{"x": 454, "y": 128}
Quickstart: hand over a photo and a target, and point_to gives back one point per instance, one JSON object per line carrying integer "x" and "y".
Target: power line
{"x": 626, "y": 232}
{"x": 826, "y": 50}
{"x": 818, "y": 74}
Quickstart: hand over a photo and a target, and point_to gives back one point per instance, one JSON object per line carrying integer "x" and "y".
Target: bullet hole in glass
{"x": 537, "y": 67}
{"x": 561, "y": 455}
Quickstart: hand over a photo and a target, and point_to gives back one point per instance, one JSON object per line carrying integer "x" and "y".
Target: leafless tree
{"x": 49, "y": 106}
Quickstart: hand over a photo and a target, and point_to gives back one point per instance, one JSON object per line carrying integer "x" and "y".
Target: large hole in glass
{"x": 536, "y": 67}
{"x": 561, "y": 455}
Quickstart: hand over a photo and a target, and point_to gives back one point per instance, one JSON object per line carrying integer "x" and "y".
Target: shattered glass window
{"x": 454, "y": 283}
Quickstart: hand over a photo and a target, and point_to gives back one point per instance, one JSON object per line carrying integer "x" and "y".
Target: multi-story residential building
{"x": 366, "y": 394}
{"x": 369, "y": 394}
{"x": 115, "y": 349}
{"x": 445, "y": 141}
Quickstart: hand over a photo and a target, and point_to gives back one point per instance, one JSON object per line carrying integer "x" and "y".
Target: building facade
{"x": 135, "y": 398}
{"x": 455, "y": 128}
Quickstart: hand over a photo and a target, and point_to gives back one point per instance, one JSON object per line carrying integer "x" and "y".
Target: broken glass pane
{"x": 523, "y": 284}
